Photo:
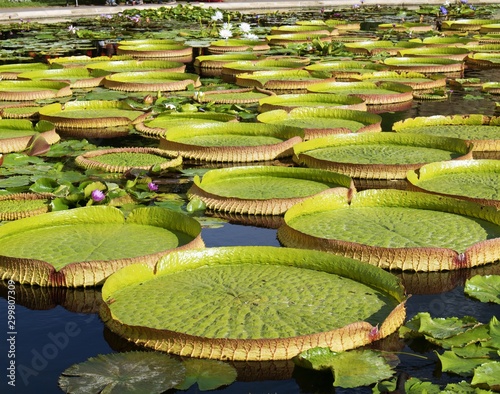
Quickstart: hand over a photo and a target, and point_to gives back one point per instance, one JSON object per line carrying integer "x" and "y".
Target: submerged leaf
{"x": 132, "y": 372}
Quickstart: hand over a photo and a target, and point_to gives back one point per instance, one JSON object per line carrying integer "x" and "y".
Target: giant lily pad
{"x": 475, "y": 180}
{"x": 211, "y": 65}
{"x": 396, "y": 229}
{"x": 237, "y": 45}
{"x": 378, "y": 155}
{"x": 125, "y": 159}
{"x": 443, "y": 52}
{"x": 426, "y": 65}
{"x": 374, "y": 47}
{"x": 230, "y": 70}
{"x": 99, "y": 118}
{"x": 286, "y": 80}
{"x": 158, "y": 126}
{"x": 298, "y": 38}
{"x": 33, "y": 90}
{"x": 417, "y": 81}
{"x": 19, "y": 110}
{"x": 232, "y": 142}
{"x": 288, "y": 102}
{"x": 11, "y": 71}
{"x": 151, "y": 81}
{"x": 116, "y": 66}
{"x": 164, "y": 51}
{"x": 182, "y": 306}
{"x": 318, "y": 122}
{"x": 16, "y": 135}
{"x": 377, "y": 92}
{"x": 21, "y": 205}
{"x": 77, "y": 77}
{"x": 482, "y": 131}
{"x": 347, "y": 69}
{"x": 83, "y": 246}
{"x": 262, "y": 190}
{"x": 232, "y": 96}
{"x": 312, "y": 30}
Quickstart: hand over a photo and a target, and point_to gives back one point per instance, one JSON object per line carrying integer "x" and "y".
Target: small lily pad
{"x": 484, "y": 288}
{"x": 209, "y": 374}
{"x": 131, "y": 372}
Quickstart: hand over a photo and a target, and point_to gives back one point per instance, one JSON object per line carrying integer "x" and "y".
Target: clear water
{"x": 51, "y": 339}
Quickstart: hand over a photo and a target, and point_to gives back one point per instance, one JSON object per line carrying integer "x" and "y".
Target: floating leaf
{"x": 410, "y": 386}
{"x": 484, "y": 288}
{"x": 132, "y": 372}
{"x": 209, "y": 374}
{"x": 488, "y": 374}
{"x": 351, "y": 369}
{"x": 451, "y": 362}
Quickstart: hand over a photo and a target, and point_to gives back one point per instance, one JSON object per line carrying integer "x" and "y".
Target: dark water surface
{"x": 58, "y": 328}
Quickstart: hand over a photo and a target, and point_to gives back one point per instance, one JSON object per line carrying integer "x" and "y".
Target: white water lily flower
{"x": 217, "y": 16}
{"x": 72, "y": 29}
{"x": 251, "y": 36}
{"x": 225, "y": 33}
{"x": 245, "y": 27}
{"x": 227, "y": 26}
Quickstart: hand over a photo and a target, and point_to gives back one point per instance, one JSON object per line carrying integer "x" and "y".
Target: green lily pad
{"x": 288, "y": 102}
{"x": 347, "y": 69}
{"x": 370, "y": 47}
{"x": 151, "y": 81}
{"x": 33, "y": 90}
{"x": 155, "y": 50}
{"x": 11, "y": 71}
{"x": 451, "y": 362}
{"x": 378, "y": 155}
{"x": 100, "y": 118}
{"x": 417, "y": 81}
{"x": 232, "y": 142}
{"x": 208, "y": 374}
{"x": 238, "y": 45}
{"x": 16, "y": 135}
{"x": 158, "y": 126}
{"x": 475, "y": 180}
{"x": 17, "y": 206}
{"x": 350, "y": 369}
{"x": 230, "y": 70}
{"x": 443, "y": 52}
{"x": 77, "y": 77}
{"x": 250, "y": 303}
{"x": 125, "y": 159}
{"x": 410, "y": 386}
{"x": 487, "y": 374}
{"x": 396, "y": 229}
{"x": 262, "y": 190}
{"x": 284, "y": 80}
{"x": 484, "y": 288}
{"x": 232, "y": 96}
{"x": 116, "y": 66}
{"x": 426, "y": 65}
{"x": 88, "y": 244}
{"x": 131, "y": 372}
{"x": 371, "y": 92}
{"x": 479, "y": 129}
{"x": 318, "y": 122}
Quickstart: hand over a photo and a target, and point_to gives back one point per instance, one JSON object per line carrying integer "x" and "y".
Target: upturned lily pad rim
{"x": 422, "y": 82}
{"x": 141, "y": 81}
{"x": 430, "y": 170}
{"x": 376, "y": 171}
{"x": 423, "y": 259}
{"x": 90, "y": 273}
{"x": 274, "y": 206}
{"x": 348, "y": 337}
{"x": 87, "y": 160}
{"x": 279, "y": 80}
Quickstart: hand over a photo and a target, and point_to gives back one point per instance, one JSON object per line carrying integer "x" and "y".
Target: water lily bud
{"x": 97, "y": 195}
{"x": 152, "y": 186}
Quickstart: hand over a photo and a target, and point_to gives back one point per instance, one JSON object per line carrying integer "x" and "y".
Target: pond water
{"x": 58, "y": 328}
